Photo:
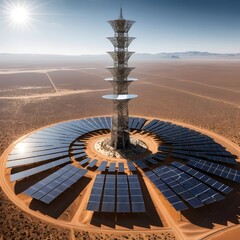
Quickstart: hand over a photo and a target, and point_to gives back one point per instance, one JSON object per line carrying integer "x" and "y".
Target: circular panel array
{"x": 186, "y": 168}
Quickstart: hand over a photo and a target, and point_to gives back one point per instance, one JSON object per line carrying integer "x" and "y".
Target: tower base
{"x": 134, "y": 148}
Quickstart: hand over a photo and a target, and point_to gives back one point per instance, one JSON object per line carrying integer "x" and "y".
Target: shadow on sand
{"x": 221, "y": 212}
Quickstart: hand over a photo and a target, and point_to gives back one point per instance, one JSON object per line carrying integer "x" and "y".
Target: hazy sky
{"x": 79, "y": 26}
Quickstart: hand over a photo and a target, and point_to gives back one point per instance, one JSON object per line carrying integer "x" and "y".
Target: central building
{"x": 120, "y": 138}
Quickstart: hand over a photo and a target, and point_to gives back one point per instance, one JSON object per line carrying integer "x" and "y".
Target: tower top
{"x": 121, "y": 14}
{"x": 121, "y": 25}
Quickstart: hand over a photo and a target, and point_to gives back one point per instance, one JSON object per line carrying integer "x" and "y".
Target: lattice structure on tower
{"x": 120, "y": 71}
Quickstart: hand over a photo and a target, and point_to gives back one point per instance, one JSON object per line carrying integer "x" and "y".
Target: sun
{"x": 20, "y": 15}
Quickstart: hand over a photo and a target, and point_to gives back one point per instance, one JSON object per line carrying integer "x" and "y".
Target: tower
{"x": 120, "y": 70}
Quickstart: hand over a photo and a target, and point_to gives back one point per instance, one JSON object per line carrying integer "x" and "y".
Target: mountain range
{"x": 16, "y": 60}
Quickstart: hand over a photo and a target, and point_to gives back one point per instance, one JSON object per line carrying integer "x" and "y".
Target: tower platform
{"x": 125, "y": 80}
{"x": 120, "y": 97}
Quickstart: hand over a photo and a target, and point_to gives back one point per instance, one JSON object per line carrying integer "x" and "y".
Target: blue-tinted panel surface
{"x": 92, "y": 163}
{"x": 131, "y": 166}
{"x": 121, "y": 167}
{"x": 112, "y": 167}
{"x": 102, "y": 166}
{"x": 55, "y": 184}
{"x": 216, "y": 169}
{"x": 96, "y": 194}
{"x": 33, "y": 171}
{"x": 137, "y": 202}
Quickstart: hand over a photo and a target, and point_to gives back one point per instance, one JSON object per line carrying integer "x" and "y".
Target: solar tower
{"x": 120, "y": 70}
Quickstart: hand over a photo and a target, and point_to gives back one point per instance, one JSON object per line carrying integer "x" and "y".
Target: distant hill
{"x": 28, "y": 60}
{"x": 186, "y": 55}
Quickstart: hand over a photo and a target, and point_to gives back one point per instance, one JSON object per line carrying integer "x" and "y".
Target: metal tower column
{"x": 120, "y": 81}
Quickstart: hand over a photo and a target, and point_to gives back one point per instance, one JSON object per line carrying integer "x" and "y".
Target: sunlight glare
{"x": 19, "y": 15}
{"x": 21, "y": 147}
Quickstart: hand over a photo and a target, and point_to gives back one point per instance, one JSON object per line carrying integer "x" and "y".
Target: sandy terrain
{"x": 204, "y": 94}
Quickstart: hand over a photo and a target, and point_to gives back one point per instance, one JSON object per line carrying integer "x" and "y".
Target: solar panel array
{"x": 131, "y": 166}
{"x": 121, "y": 167}
{"x": 137, "y": 202}
{"x": 84, "y": 161}
{"x": 108, "y": 202}
{"x": 116, "y": 194}
{"x": 92, "y": 163}
{"x": 150, "y": 160}
{"x": 102, "y": 167}
{"x": 141, "y": 164}
{"x": 123, "y": 198}
{"x": 114, "y": 167}
{"x": 96, "y": 193}
{"x": 203, "y": 177}
{"x": 217, "y": 169}
{"x": 200, "y": 152}
{"x": 39, "y": 169}
{"x": 186, "y": 142}
{"x": 55, "y": 184}
{"x": 169, "y": 194}
{"x": 49, "y": 147}
{"x": 136, "y": 123}
{"x": 181, "y": 184}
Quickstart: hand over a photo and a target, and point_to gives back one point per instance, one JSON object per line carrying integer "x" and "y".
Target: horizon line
{"x": 103, "y": 54}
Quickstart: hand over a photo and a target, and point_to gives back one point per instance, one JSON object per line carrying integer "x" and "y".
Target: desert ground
{"x": 205, "y": 94}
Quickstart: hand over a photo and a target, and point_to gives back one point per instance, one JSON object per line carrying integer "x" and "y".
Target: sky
{"x": 79, "y": 27}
